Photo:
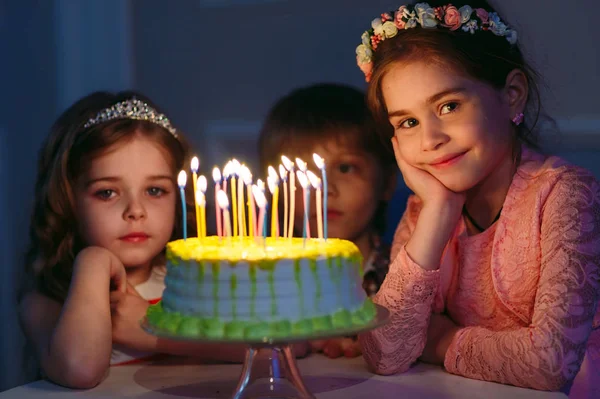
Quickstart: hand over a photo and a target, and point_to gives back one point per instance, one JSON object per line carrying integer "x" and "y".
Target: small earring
{"x": 518, "y": 119}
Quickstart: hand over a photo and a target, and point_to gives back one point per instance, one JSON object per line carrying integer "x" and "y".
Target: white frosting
{"x": 319, "y": 291}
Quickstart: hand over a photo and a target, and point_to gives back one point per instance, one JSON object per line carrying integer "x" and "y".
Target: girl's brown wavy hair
{"x": 482, "y": 56}
{"x": 65, "y": 155}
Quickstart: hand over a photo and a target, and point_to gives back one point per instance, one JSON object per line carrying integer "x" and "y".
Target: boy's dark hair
{"x": 319, "y": 113}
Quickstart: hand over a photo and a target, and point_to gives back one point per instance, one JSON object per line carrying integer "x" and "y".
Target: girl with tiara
{"x": 105, "y": 206}
{"x": 494, "y": 269}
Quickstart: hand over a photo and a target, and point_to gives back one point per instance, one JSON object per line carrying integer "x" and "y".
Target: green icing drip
{"x": 322, "y": 323}
{"x": 215, "y": 276}
{"x": 364, "y": 314}
{"x": 190, "y": 327}
{"x": 302, "y": 327}
{"x": 201, "y": 274}
{"x": 257, "y": 331}
{"x": 214, "y": 328}
{"x": 280, "y": 329}
{"x": 233, "y": 288}
{"x": 337, "y": 279}
{"x": 252, "y": 274}
{"x": 313, "y": 268}
{"x": 271, "y": 279}
{"x": 297, "y": 277}
{"x": 235, "y": 329}
{"x": 171, "y": 322}
{"x": 357, "y": 259}
{"x": 267, "y": 264}
{"x": 341, "y": 318}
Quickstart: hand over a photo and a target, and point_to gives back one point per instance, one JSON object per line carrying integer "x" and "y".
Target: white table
{"x": 326, "y": 378}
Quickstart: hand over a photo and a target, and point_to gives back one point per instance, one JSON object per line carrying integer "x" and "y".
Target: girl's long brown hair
{"x": 482, "y": 56}
{"x": 64, "y": 156}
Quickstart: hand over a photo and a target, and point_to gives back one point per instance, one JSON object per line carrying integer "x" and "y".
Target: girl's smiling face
{"x": 456, "y": 128}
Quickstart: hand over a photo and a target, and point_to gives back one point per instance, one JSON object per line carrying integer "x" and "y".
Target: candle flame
{"x": 301, "y": 164}
{"x": 195, "y": 164}
{"x": 246, "y": 175}
{"x": 302, "y": 179}
{"x": 259, "y": 197}
{"x": 216, "y": 175}
{"x": 320, "y": 162}
{"x": 314, "y": 180}
{"x": 202, "y": 183}
{"x": 227, "y": 170}
{"x": 272, "y": 183}
{"x": 260, "y": 184}
{"x": 289, "y": 165}
{"x": 222, "y": 200}
{"x": 235, "y": 167}
{"x": 273, "y": 175}
{"x": 200, "y": 199}
{"x": 182, "y": 179}
{"x": 282, "y": 172}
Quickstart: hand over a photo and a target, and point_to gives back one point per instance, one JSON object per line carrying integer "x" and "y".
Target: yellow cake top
{"x": 235, "y": 249}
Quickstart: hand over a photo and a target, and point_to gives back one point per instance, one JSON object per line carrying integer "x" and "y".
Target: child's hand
{"x": 95, "y": 258}
{"x": 424, "y": 184}
{"x": 127, "y": 310}
{"x": 336, "y": 347}
{"x": 440, "y": 333}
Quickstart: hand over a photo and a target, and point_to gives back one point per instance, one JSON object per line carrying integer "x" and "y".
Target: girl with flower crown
{"x": 496, "y": 262}
{"x": 105, "y": 206}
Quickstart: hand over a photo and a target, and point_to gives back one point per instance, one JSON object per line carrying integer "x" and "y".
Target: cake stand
{"x": 270, "y": 369}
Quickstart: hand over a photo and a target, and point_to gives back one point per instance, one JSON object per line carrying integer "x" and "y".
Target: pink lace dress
{"x": 525, "y": 291}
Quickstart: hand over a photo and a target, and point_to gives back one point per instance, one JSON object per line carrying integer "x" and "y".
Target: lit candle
{"x": 181, "y": 180}
{"x": 202, "y": 186}
{"x": 235, "y": 169}
{"x": 217, "y": 178}
{"x": 316, "y": 183}
{"x": 226, "y": 174}
{"x": 261, "y": 202}
{"x": 306, "y": 191}
{"x": 289, "y": 165}
{"x": 241, "y": 208}
{"x": 194, "y": 167}
{"x": 273, "y": 182}
{"x": 320, "y": 162}
{"x": 247, "y": 177}
{"x": 301, "y": 164}
{"x": 283, "y": 176}
{"x": 223, "y": 203}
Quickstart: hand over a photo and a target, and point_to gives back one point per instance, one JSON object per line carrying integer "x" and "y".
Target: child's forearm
{"x": 78, "y": 352}
{"x": 431, "y": 234}
{"x": 408, "y": 293}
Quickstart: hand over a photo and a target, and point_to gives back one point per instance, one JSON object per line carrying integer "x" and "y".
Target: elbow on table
{"x": 551, "y": 384}
{"x": 81, "y": 375}
{"x": 382, "y": 365}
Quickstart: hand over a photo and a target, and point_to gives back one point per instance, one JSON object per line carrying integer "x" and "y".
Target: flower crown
{"x": 448, "y": 16}
{"x": 132, "y": 109}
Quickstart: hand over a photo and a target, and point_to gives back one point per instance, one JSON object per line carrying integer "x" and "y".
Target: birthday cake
{"x": 237, "y": 288}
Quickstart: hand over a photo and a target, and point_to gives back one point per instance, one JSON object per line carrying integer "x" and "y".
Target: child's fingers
{"x": 118, "y": 275}
{"x": 115, "y": 297}
{"x": 350, "y": 347}
{"x": 129, "y": 289}
{"x": 333, "y": 349}
{"x": 317, "y": 345}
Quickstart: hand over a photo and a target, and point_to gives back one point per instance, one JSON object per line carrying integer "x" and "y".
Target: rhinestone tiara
{"x": 132, "y": 109}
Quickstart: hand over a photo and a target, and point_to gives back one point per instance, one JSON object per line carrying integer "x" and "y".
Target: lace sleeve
{"x": 547, "y": 354}
{"x": 408, "y": 293}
